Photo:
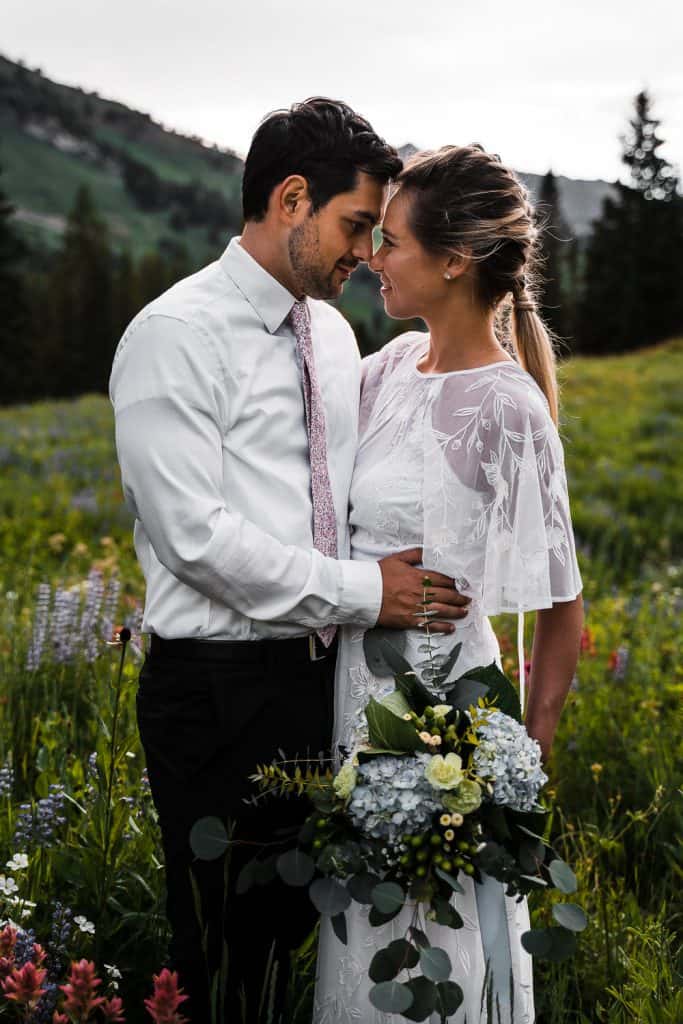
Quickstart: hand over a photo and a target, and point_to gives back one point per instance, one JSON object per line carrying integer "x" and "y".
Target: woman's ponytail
{"x": 533, "y": 345}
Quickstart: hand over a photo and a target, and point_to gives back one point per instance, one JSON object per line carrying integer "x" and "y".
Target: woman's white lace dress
{"x": 470, "y": 466}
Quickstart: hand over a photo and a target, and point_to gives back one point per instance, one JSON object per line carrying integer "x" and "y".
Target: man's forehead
{"x": 366, "y": 201}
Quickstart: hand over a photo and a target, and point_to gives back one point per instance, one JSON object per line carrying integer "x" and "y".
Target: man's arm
{"x": 170, "y": 403}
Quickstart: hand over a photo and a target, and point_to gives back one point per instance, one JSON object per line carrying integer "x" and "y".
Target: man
{"x": 236, "y": 404}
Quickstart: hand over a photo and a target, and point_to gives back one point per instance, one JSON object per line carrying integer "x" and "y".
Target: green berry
{"x": 469, "y": 869}
{"x": 421, "y": 871}
{"x": 416, "y": 840}
{"x": 435, "y": 840}
{"x": 447, "y": 865}
{"x": 321, "y": 823}
{"x": 318, "y": 844}
{"x": 463, "y": 846}
{"x": 422, "y": 855}
{"x": 459, "y": 862}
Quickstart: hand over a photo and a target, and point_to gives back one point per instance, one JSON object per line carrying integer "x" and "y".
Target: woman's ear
{"x": 457, "y": 265}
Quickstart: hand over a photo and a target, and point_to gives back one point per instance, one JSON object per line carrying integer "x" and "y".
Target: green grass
{"x": 617, "y": 760}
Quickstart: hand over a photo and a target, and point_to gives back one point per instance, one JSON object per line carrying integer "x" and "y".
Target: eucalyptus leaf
{"x": 245, "y": 879}
{"x": 453, "y": 882}
{"x": 555, "y": 944}
{"x": 361, "y": 885}
{"x": 465, "y": 693}
{"x": 329, "y": 896}
{"x": 449, "y": 996}
{"x": 391, "y": 997}
{"x": 500, "y": 689}
{"x": 447, "y": 915}
{"x": 536, "y": 942}
{"x": 388, "y": 897}
{"x": 424, "y": 998}
{"x": 380, "y": 642}
{"x": 435, "y": 963}
{"x": 339, "y": 926}
{"x": 570, "y": 916}
{"x": 399, "y": 955}
{"x": 295, "y": 867}
{"x": 377, "y": 918}
{"x": 208, "y": 838}
{"x": 563, "y": 878}
{"x": 419, "y": 937}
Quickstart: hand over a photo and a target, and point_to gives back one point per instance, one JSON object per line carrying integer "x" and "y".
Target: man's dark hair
{"x": 324, "y": 141}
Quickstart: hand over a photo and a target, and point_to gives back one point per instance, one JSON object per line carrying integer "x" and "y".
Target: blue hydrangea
{"x": 510, "y": 760}
{"x": 392, "y": 796}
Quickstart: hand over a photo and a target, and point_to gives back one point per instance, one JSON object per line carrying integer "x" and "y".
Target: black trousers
{"x": 205, "y": 725}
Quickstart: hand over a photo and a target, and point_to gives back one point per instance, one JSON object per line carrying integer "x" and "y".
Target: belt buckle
{"x": 311, "y": 649}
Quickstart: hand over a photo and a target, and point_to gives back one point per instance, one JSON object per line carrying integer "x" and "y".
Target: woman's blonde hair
{"x": 465, "y": 202}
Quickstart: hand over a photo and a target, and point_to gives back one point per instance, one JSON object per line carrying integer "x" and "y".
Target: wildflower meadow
{"x": 82, "y": 927}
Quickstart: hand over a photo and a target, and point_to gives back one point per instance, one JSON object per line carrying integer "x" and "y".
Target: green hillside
{"x": 155, "y": 187}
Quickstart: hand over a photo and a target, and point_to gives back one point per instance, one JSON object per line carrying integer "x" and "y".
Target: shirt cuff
{"x": 362, "y": 593}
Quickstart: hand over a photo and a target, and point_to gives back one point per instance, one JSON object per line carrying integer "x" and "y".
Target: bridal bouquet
{"x": 442, "y": 781}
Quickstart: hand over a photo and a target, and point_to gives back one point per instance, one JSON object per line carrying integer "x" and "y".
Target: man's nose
{"x": 363, "y": 248}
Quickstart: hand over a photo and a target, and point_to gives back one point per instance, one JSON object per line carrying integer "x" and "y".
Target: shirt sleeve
{"x": 170, "y": 403}
{"x": 497, "y": 511}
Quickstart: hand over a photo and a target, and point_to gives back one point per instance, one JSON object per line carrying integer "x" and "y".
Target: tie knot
{"x": 301, "y": 318}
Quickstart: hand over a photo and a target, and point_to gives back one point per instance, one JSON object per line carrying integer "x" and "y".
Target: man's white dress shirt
{"x": 213, "y": 450}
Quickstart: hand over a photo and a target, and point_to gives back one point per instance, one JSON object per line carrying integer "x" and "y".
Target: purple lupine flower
{"x": 6, "y": 780}
{"x": 619, "y": 661}
{"x": 40, "y": 624}
{"x": 60, "y": 936}
{"x": 85, "y": 501}
{"x": 43, "y": 1013}
{"x": 64, "y": 624}
{"x": 87, "y": 636}
{"x": 23, "y": 950}
{"x": 38, "y": 826}
{"x": 110, "y": 608}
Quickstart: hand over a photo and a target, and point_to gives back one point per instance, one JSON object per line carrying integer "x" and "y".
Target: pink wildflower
{"x": 80, "y": 991}
{"x": 167, "y": 998}
{"x": 112, "y": 1010}
{"x": 59, "y": 1018}
{"x": 23, "y": 985}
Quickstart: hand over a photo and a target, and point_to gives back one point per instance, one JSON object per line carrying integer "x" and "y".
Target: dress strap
{"x": 520, "y": 658}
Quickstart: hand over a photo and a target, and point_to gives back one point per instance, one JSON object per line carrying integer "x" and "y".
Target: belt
{"x": 291, "y": 649}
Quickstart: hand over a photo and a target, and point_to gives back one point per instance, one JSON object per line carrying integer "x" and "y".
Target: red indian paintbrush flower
{"x": 59, "y": 1018}
{"x": 112, "y": 1010}
{"x": 80, "y": 991}
{"x": 24, "y": 985}
{"x": 163, "y": 1005}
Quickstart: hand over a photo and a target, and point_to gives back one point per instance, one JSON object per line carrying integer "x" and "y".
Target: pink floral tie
{"x": 324, "y": 518}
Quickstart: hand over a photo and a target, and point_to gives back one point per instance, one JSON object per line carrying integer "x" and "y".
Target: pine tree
{"x": 82, "y": 332}
{"x": 15, "y": 377}
{"x": 634, "y": 264}
{"x": 650, "y": 173}
{"x": 555, "y": 238}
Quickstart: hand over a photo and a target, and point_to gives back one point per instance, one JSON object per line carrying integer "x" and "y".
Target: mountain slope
{"x": 155, "y": 187}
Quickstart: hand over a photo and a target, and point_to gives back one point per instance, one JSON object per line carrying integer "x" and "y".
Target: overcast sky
{"x": 544, "y": 83}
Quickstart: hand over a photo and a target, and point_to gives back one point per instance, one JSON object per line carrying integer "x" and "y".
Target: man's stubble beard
{"x": 306, "y": 261}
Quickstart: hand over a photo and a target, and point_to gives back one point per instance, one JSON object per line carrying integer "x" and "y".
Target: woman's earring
{"x": 447, "y": 276}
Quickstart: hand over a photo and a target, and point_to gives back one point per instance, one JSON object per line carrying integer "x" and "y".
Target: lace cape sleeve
{"x": 378, "y": 367}
{"x": 496, "y": 507}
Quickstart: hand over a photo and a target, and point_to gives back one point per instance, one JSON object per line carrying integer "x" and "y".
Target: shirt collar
{"x": 268, "y": 297}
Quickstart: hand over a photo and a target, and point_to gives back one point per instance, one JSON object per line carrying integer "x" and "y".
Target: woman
{"x": 459, "y": 453}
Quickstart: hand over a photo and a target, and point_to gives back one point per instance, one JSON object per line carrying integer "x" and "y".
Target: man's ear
{"x": 291, "y": 197}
